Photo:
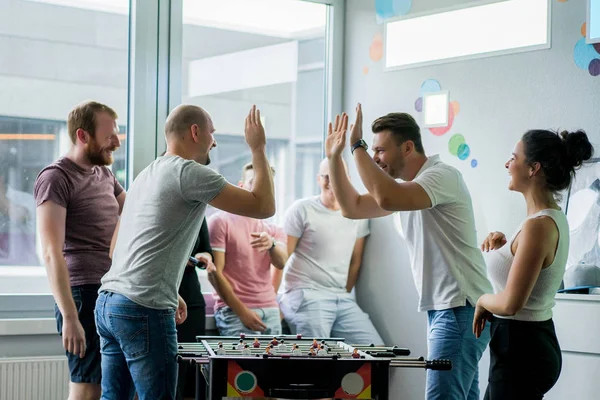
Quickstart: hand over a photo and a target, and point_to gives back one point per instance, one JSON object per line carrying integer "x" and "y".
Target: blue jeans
{"x": 321, "y": 314}
{"x": 138, "y": 347}
{"x": 451, "y": 337}
{"x": 229, "y": 324}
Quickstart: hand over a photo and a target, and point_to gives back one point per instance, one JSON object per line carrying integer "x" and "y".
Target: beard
{"x": 98, "y": 155}
{"x": 207, "y": 159}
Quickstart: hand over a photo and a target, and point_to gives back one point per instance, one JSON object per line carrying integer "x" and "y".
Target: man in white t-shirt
{"x": 438, "y": 225}
{"x": 326, "y": 252}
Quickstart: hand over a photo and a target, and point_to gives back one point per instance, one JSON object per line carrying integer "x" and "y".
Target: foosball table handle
{"x": 401, "y": 351}
{"x": 439, "y": 365}
{"x": 436, "y": 365}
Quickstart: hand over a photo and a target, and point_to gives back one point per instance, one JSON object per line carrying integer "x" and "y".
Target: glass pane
{"x": 265, "y": 52}
{"x": 54, "y": 54}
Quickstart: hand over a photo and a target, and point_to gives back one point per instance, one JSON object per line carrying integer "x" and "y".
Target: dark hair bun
{"x": 577, "y": 146}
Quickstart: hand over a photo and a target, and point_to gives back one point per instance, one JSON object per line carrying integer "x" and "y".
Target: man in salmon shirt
{"x": 244, "y": 249}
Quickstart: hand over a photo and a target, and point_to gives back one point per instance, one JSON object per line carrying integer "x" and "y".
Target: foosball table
{"x": 291, "y": 367}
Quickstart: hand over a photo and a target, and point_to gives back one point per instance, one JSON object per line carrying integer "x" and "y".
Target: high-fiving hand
{"x": 254, "y": 131}
{"x": 336, "y": 133}
{"x": 336, "y": 136}
{"x": 356, "y": 132}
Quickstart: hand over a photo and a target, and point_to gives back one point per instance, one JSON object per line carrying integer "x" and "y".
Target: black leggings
{"x": 525, "y": 359}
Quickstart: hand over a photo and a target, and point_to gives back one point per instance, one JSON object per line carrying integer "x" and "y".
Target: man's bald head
{"x": 183, "y": 117}
{"x": 324, "y": 166}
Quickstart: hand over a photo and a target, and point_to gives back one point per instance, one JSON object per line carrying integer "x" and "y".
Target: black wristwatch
{"x": 360, "y": 143}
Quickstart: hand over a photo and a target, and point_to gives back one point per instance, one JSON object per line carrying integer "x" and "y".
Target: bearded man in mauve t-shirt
{"x": 79, "y": 201}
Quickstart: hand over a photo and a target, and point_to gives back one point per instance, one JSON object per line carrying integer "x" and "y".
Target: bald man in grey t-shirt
{"x": 138, "y": 305}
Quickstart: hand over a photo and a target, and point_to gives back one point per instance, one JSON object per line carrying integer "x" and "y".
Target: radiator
{"x": 34, "y": 378}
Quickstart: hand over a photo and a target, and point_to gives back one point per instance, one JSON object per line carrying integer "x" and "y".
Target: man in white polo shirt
{"x": 438, "y": 224}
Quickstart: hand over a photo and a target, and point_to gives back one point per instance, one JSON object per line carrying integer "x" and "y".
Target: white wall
{"x": 500, "y": 98}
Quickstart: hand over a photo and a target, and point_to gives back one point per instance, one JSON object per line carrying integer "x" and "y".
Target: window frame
{"x": 588, "y": 19}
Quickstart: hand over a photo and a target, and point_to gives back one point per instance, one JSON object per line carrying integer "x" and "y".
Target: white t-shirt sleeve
{"x": 440, "y": 184}
{"x": 295, "y": 220}
{"x": 363, "y": 228}
{"x": 200, "y": 183}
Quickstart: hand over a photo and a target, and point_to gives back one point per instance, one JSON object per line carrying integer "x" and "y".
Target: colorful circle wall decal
{"x": 429, "y": 86}
{"x": 391, "y": 8}
{"x": 594, "y": 67}
{"x": 376, "y": 48}
{"x": 454, "y": 143}
{"x": 587, "y": 56}
{"x": 464, "y": 151}
{"x": 457, "y": 144}
{"x": 419, "y": 104}
{"x": 455, "y": 107}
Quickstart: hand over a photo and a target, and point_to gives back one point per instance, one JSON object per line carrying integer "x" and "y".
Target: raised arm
{"x": 260, "y": 202}
{"x": 353, "y": 204}
{"x": 389, "y": 194}
{"x": 51, "y": 222}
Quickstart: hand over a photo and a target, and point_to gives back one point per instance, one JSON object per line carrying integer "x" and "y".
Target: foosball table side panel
{"x": 298, "y": 378}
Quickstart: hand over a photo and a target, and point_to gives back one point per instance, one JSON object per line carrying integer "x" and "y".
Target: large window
{"x": 265, "y": 52}
{"x": 142, "y": 58}
{"x": 53, "y": 56}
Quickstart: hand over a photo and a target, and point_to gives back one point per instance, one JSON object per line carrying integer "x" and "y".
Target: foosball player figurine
{"x": 246, "y": 351}
{"x": 355, "y": 354}
{"x": 240, "y": 345}
{"x": 256, "y": 343}
{"x": 220, "y": 350}
{"x": 315, "y": 344}
{"x": 296, "y": 350}
{"x": 312, "y": 352}
{"x": 322, "y": 351}
{"x": 268, "y": 350}
{"x": 282, "y": 348}
{"x": 274, "y": 342}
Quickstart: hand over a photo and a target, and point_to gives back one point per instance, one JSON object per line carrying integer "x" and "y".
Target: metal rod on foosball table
{"x": 440, "y": 365}
{"x": 398, "y": 351}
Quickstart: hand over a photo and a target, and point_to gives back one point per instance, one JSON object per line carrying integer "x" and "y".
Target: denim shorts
{"x": 86, "y": 369}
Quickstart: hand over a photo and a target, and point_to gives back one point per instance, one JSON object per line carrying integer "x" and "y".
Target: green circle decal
{"x": 455, "y": 142}
{"x": 245, "y": 382}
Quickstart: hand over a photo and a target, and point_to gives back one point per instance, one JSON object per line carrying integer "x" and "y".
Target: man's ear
{"x": 82, "y": 136}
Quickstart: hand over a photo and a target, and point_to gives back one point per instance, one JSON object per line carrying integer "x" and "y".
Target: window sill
{"x": 47, "y": 326}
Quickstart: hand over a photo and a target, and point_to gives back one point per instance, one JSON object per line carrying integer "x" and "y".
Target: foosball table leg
{"x": 201, "y": 389}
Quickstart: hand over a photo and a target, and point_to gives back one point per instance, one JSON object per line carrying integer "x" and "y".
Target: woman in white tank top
{"x": 526, "y": 271}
